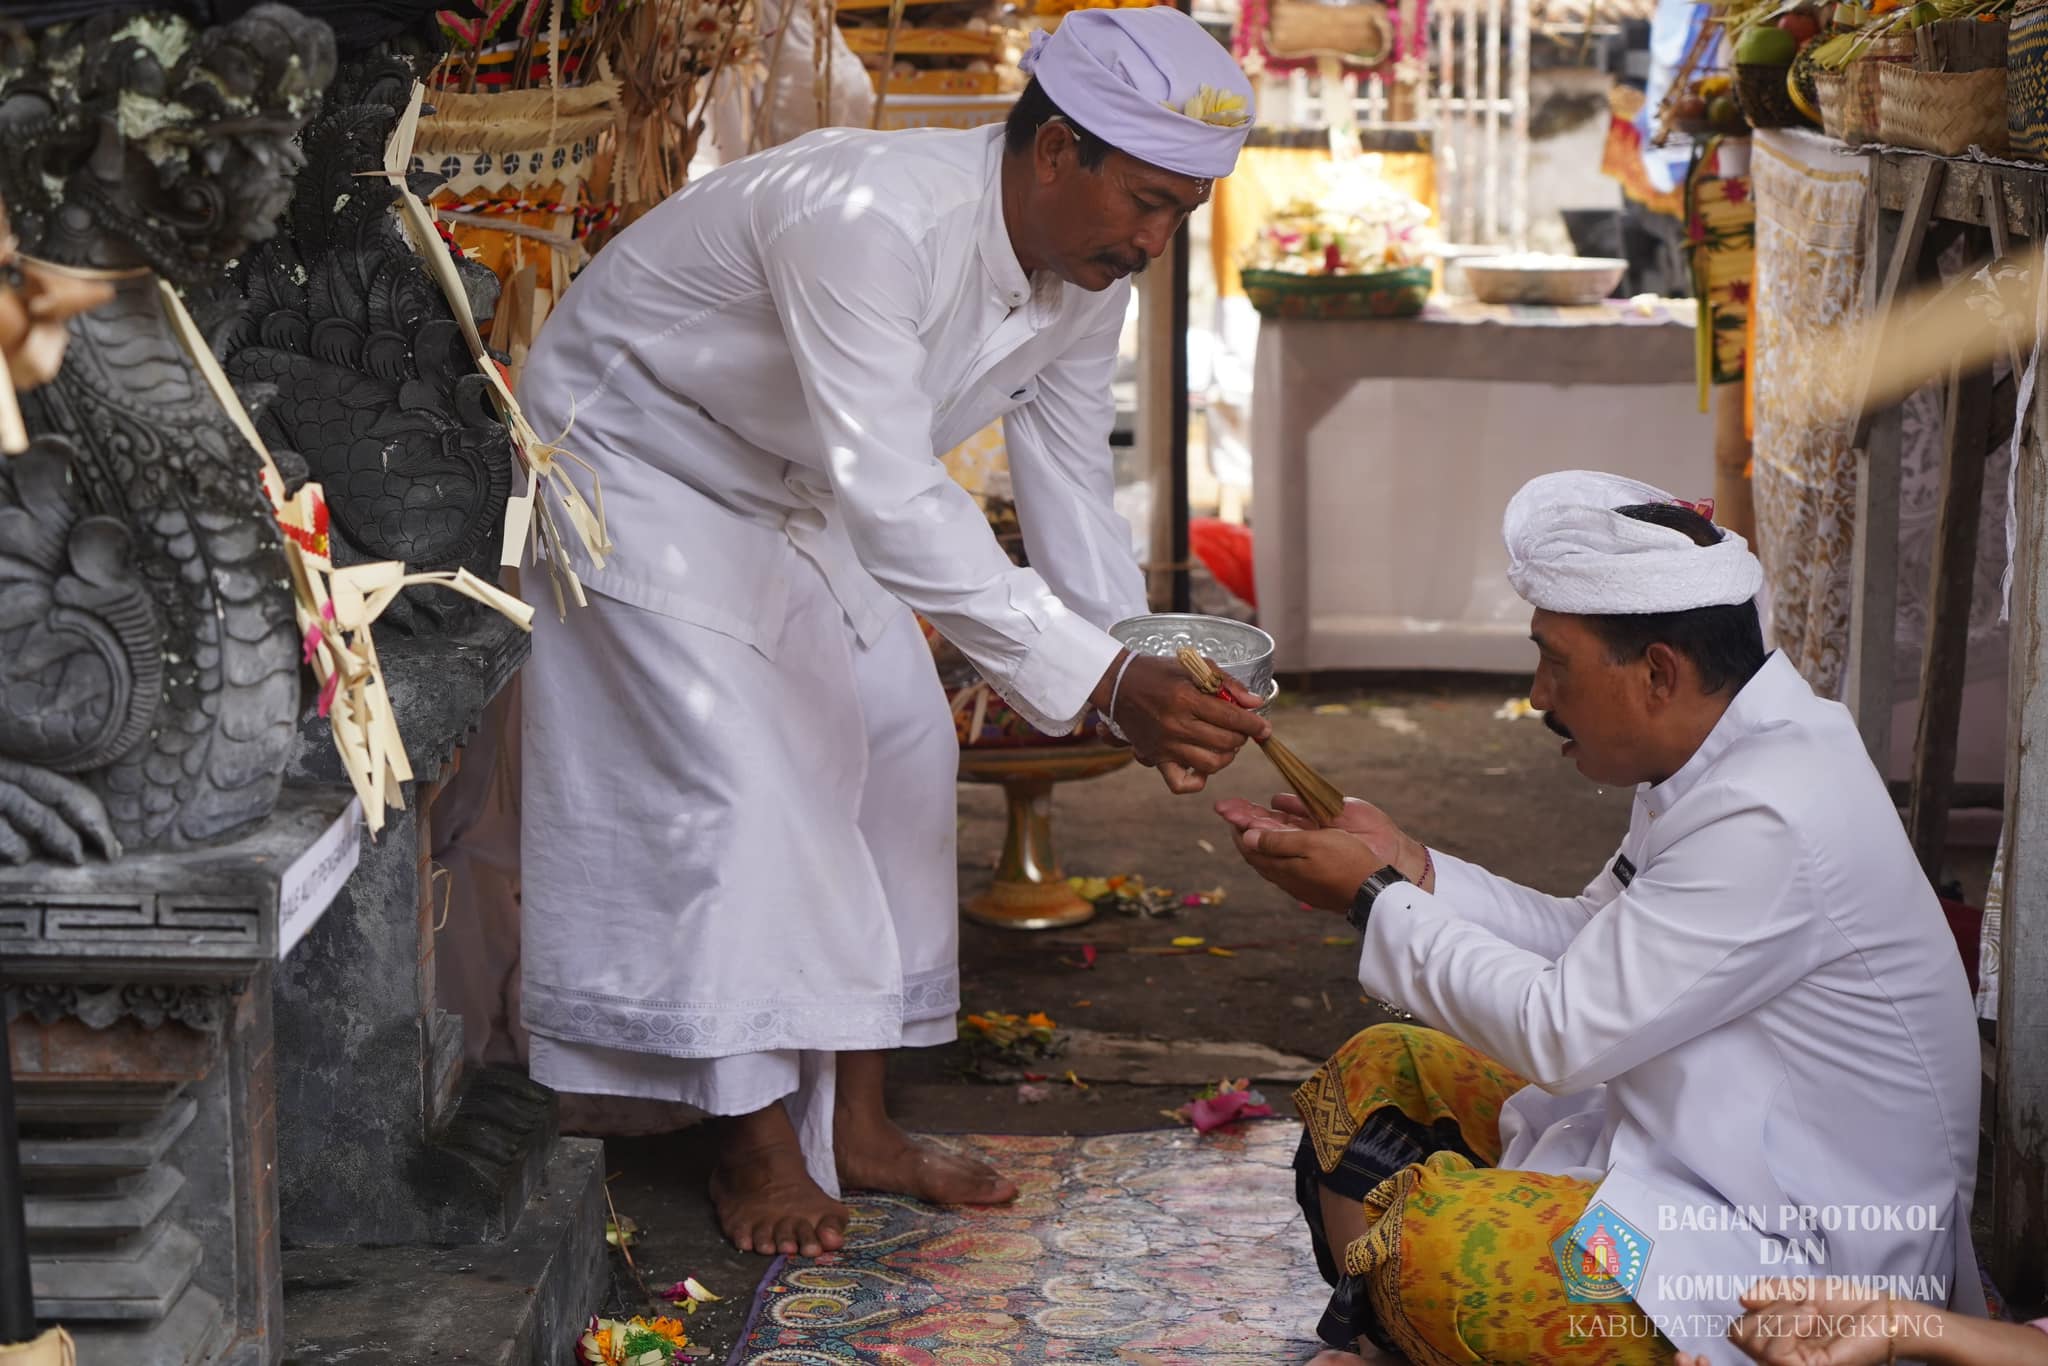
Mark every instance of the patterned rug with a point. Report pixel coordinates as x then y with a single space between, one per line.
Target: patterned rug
1159 1247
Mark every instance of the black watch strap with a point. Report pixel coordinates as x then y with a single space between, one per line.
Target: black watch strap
1369 892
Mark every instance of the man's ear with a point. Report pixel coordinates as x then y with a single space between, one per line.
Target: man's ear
1668 669
1052 149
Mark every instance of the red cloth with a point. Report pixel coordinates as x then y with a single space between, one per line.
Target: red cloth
1225 549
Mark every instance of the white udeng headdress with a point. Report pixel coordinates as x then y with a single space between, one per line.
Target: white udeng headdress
1150 82
1570 551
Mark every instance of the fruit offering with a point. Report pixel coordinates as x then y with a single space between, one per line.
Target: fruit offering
1768 45
1776 34
1708 106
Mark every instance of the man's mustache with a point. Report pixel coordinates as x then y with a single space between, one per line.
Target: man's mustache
1558 727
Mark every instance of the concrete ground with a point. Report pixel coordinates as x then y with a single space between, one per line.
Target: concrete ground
1432 752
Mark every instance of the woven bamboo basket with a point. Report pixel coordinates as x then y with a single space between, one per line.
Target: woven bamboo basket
1833 90
1359 33
516 139
1942 111
1978 44
1849 97
1765 101
1384 294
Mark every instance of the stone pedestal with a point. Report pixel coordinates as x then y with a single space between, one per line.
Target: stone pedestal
385 1140
139 1001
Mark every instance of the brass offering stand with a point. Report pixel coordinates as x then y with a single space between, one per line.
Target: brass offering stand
1030 890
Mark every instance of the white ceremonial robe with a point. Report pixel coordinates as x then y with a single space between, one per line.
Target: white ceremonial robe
739 805
1765 1022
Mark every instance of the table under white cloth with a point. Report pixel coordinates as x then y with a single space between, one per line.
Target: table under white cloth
1384 452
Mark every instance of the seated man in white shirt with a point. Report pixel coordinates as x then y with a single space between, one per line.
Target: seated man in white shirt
1747 1046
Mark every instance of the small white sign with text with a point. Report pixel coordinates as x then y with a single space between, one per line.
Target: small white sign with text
317 876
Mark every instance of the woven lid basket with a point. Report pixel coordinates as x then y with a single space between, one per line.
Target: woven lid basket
1942 111
1848 98
1359 33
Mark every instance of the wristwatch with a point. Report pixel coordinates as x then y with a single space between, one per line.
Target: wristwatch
1369 892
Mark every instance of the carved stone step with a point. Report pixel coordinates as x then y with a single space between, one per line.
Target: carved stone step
520 1301
503 1130
191 1333
139 1280
43 1101
127 1208
98 1155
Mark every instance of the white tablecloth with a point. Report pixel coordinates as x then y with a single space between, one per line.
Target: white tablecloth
1384 453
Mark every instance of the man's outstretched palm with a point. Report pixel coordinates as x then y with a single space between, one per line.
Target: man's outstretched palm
1317 865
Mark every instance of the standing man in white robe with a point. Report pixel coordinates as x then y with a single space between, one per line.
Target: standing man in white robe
739 791
1748 1045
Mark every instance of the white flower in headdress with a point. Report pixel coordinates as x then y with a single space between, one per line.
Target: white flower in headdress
1219 107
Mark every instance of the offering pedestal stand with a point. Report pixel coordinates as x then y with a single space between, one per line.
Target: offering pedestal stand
1030 891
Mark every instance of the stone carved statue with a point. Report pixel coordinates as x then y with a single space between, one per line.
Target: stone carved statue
81 658
355 359
149 662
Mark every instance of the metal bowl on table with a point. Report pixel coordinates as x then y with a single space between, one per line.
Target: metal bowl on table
1537 279
1240 650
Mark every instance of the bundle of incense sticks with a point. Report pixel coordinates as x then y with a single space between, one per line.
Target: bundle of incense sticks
1317 793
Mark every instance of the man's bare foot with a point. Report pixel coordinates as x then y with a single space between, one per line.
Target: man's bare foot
875 1155
766 1200
878 1156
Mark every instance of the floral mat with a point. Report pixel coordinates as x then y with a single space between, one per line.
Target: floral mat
1159 1247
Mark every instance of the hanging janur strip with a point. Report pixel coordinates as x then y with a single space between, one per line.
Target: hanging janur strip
534 519
337 607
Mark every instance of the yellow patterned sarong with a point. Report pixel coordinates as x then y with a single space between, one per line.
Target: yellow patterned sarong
1456 1268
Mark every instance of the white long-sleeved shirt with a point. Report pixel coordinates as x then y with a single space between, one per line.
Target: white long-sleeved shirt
1756 1006
780 354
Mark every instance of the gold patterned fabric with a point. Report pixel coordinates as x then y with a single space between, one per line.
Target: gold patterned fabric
1809 285
1721 228
1429 1077
1457 1266
1460 1269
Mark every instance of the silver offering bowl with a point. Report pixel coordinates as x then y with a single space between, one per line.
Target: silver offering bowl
1244 652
